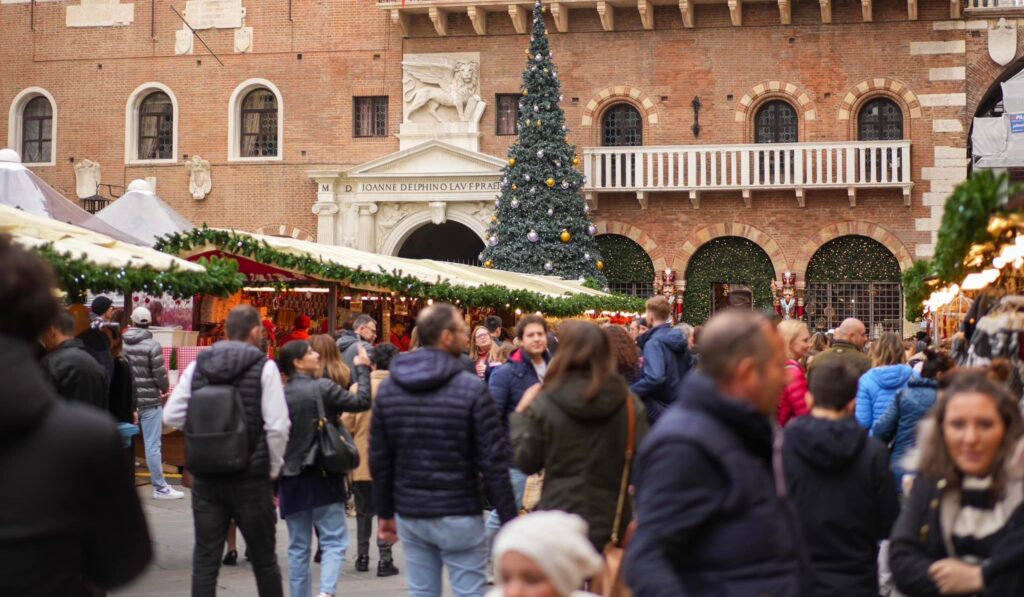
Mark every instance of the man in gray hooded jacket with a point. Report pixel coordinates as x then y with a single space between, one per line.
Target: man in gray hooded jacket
150 376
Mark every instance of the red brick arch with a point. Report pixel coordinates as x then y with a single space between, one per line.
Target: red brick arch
611 95
857 228
636 235
762 92
758 236
892 88
286 230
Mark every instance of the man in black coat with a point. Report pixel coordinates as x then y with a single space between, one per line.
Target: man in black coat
712 519
435 434
74 373
841 486
70 520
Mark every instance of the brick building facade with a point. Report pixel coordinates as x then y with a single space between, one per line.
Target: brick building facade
95 63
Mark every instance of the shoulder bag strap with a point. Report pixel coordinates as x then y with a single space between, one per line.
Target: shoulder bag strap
624 485
321 415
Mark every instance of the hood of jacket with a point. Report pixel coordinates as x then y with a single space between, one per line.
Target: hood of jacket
424 369
923 382
569 396
826 444
891 377
672 338
754 429
27 394
136 335
348 338
226 360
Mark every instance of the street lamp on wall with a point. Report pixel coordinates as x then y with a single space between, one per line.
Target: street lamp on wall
696 116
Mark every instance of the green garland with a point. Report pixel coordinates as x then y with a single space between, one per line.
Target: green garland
853 258
484 296
916 289
731 260
76 275
965 221
624 259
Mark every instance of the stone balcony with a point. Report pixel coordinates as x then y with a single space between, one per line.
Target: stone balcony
985 8
799 167
478 10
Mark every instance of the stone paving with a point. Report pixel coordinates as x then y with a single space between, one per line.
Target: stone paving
170 524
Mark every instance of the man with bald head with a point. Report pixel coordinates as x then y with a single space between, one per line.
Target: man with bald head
847 346
711 519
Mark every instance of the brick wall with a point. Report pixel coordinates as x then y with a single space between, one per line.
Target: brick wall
351 48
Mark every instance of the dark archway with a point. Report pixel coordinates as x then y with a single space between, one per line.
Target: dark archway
854 276
727 271
626 265
451 241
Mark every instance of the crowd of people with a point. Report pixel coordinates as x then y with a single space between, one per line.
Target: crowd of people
743 457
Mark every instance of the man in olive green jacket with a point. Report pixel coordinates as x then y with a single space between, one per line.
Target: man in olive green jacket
848 346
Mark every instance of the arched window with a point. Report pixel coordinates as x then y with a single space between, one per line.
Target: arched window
776 122
727 272
854 276
880 119
621 126
258 124
156 127
626 265
37 131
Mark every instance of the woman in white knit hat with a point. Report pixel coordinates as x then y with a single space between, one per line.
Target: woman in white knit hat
544 554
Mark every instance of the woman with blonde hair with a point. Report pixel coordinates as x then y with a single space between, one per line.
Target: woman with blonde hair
888 377
962 529
797 340
334 368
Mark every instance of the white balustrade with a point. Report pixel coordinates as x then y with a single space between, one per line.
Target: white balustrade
994 4
748 167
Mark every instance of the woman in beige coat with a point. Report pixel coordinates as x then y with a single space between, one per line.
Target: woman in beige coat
362 483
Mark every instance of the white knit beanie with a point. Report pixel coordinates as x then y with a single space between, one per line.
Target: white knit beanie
557 542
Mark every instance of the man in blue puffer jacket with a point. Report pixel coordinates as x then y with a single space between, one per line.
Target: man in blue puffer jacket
666 360
435 440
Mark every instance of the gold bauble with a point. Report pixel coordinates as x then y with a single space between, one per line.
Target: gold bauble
543 8
600 265
545 71
550 182
494 218
511 161
575 160
538 123
488 264
514 187
566 236
526 92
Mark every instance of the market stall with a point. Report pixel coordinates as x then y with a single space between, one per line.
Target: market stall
144 214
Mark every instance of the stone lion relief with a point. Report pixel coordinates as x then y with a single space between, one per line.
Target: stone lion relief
433 82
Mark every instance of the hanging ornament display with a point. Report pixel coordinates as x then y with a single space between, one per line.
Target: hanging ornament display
532 236
565 236
550 182
600 265
548 266
511 161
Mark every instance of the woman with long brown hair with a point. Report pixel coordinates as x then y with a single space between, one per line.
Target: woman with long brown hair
888 377
330 357
962 529
627 353
576 427
481 346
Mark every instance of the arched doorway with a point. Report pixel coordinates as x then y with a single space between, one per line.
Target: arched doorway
450 241
729 271
626 265
854 276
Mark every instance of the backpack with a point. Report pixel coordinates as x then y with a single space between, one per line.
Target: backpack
216 438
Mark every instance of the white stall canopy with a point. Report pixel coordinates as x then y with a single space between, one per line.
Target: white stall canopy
141 213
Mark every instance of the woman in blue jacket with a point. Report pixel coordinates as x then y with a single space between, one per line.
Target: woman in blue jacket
898 426
879 386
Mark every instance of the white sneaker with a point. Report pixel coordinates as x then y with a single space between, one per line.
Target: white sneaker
324 595
167 493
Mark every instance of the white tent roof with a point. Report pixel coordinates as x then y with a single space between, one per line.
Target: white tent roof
424 270
23 189
31 230
144 215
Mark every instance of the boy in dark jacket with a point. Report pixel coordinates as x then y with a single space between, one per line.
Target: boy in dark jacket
435 438
840 483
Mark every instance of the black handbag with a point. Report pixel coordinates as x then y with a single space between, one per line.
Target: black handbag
333 448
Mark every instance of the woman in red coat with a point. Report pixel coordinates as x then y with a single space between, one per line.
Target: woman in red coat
797 339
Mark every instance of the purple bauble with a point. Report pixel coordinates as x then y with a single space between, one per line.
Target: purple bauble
549 266
532 236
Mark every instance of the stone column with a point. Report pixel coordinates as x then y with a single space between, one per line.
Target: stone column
326 207
367 240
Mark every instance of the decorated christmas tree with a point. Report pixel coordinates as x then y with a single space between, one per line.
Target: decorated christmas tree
540 224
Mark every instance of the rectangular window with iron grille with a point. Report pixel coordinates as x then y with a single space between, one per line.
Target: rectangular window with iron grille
878 304
507 114
641 289
371 116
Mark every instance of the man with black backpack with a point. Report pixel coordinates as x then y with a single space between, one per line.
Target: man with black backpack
230 404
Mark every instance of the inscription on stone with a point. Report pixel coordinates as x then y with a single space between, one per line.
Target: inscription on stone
215 14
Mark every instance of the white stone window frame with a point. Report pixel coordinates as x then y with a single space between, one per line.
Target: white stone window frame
131 124
235 121
15 125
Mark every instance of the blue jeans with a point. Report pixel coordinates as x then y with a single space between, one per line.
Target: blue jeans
330 521
458 542
518 478
151 420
